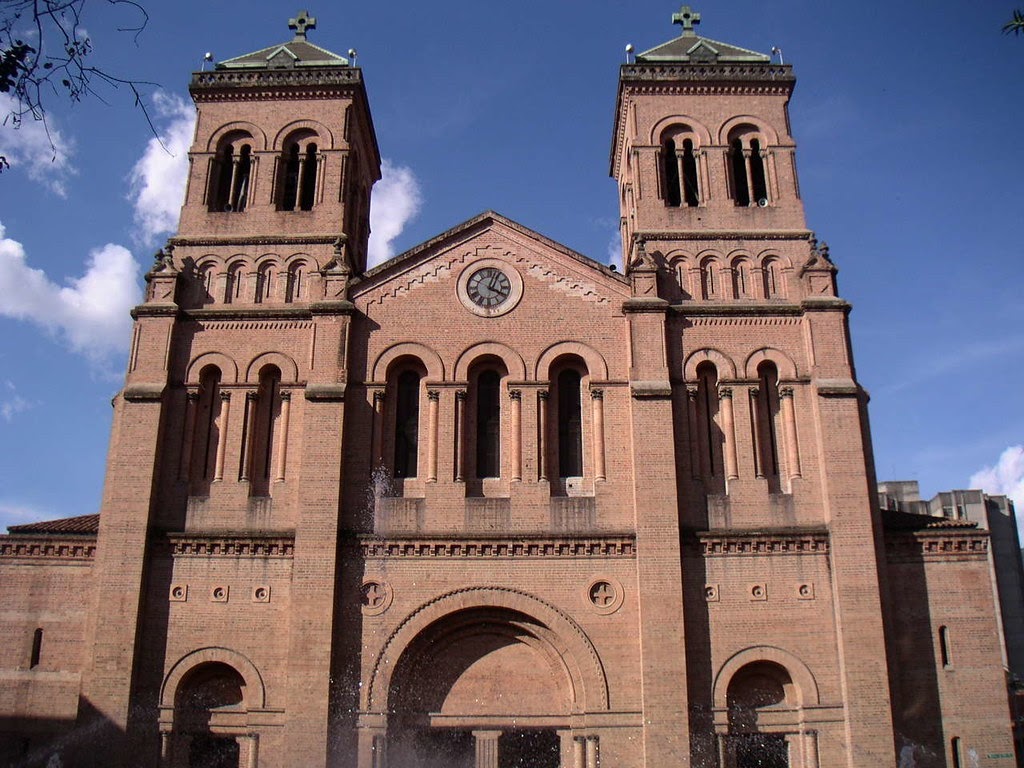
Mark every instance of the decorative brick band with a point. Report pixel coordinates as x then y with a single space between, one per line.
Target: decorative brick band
935 545
230 545
714 544
616 546
72 548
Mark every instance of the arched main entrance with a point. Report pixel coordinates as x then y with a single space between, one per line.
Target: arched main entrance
480 687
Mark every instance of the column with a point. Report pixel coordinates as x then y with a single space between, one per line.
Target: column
282 437
460 435
185 463
433 396
755 430
542 434
729 428
377 451
598 400
748 167
251 398
380 750
165 749
811 749
680 154
516 396
723 751
691 412
593 754
579 752
252 759
789 426
222 435
486 748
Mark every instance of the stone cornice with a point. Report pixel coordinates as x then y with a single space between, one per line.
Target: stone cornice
228 544
651 236
275 83
501 548
937 544
794 541
252 312
71 549
236 240
739 307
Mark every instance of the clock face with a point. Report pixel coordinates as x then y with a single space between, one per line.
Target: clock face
489 287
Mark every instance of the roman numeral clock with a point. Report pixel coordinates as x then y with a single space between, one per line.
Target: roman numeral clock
489 288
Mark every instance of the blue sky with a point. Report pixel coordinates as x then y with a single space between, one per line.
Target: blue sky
906 116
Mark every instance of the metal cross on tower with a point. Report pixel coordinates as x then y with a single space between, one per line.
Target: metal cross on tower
686 17
301 23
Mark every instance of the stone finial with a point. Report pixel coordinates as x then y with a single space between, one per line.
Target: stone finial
162 276
686 18
337 272
301 23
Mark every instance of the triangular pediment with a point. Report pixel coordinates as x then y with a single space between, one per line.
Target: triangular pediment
540 263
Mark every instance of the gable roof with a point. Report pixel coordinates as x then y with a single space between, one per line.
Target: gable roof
696 49
83 525
482 221
295 53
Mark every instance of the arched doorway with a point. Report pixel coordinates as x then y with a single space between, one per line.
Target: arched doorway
209 707
760 695
480 687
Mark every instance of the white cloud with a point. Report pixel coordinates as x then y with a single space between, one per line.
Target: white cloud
395 201
11 403
615 250
1005 478
89 313
39 148
158 177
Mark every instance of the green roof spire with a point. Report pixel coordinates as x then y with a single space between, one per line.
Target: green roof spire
687 18
301 23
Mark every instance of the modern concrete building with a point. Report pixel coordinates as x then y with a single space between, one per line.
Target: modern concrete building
493 503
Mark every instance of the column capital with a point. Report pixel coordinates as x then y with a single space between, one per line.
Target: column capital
286 395
433 395
692 392
515 394
597 394
725 392
225 396
192 396
785 391
542 394
252 396
755 392
378 396
460 394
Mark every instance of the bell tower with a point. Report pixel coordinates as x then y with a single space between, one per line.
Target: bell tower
284 142
736 324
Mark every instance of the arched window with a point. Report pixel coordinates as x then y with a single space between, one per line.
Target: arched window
748 174
295 288
208 689
708 287
230 170
206 431
741 279
679 168
233 285
771 279
298 170
266 412
488 424
570 424
266 283
766 418
205 276
755 691
407 424
708 435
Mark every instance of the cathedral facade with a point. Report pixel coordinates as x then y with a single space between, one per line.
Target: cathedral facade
493 503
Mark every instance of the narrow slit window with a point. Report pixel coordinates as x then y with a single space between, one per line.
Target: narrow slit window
290 181
708 434
570 425
740 188
707 279
947 661
308 192
671 163
268 408
220 179
240 185
758 179
768 409
37 648
407 422
955 752
488 425
207 431
691 194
